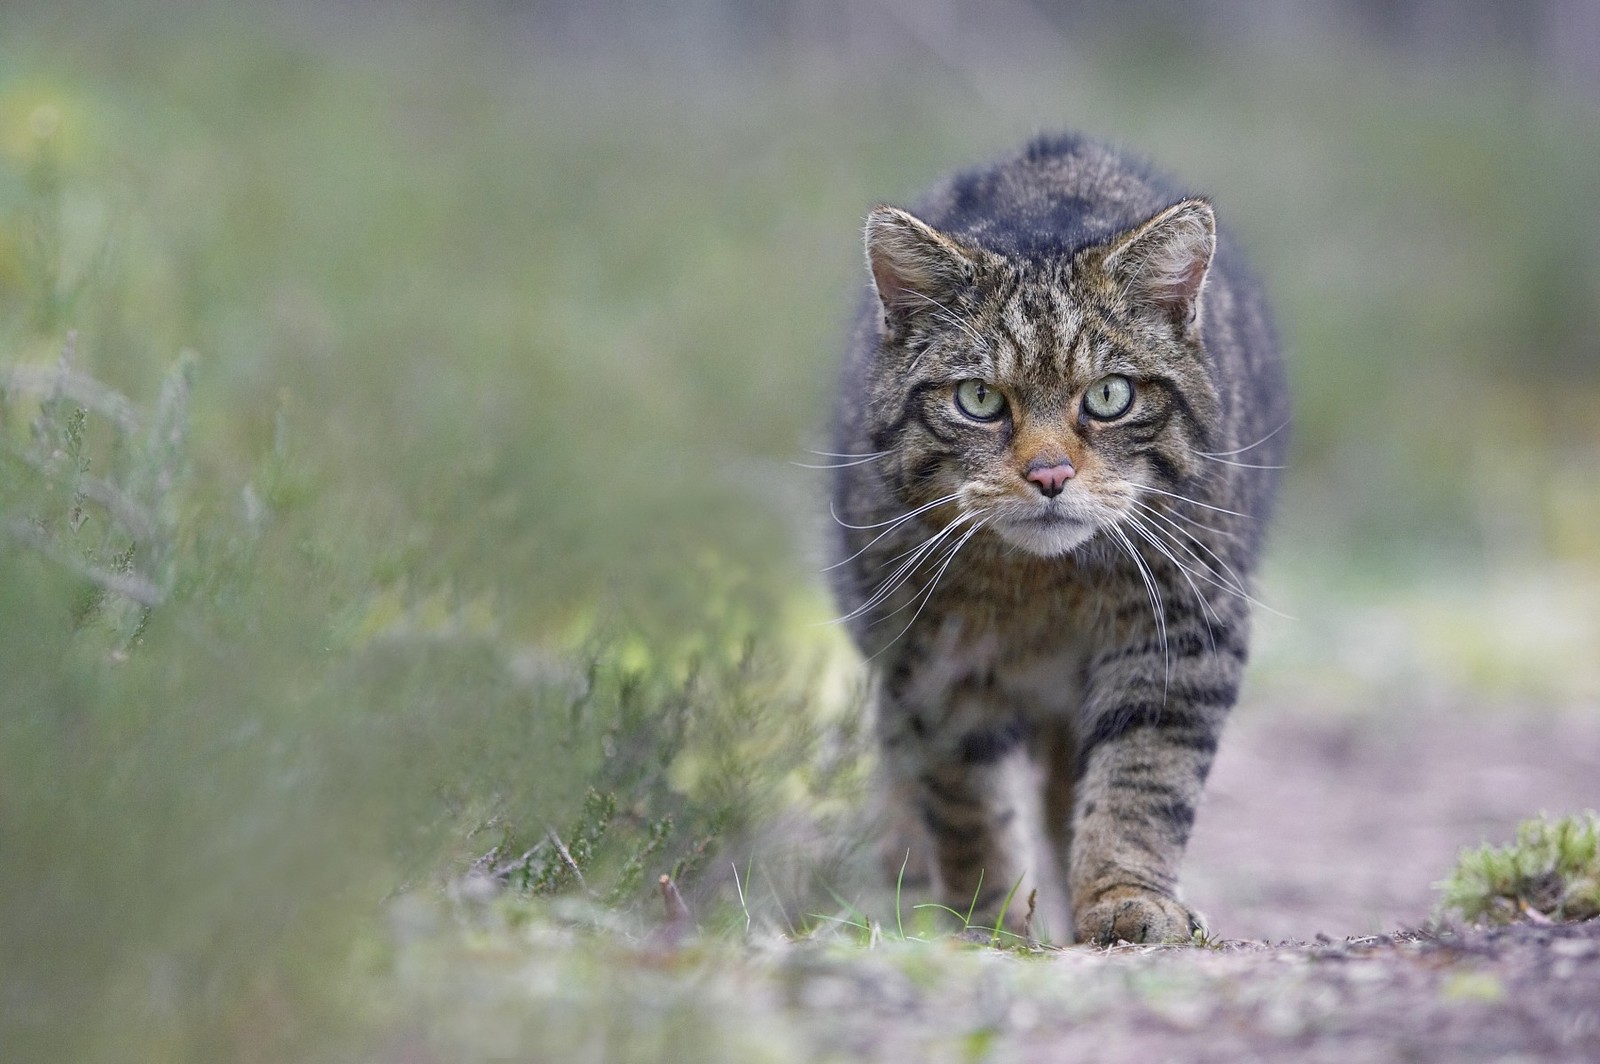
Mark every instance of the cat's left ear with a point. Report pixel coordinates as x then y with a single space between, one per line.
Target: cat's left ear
1164 261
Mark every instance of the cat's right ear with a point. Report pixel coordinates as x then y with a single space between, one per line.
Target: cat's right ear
914 266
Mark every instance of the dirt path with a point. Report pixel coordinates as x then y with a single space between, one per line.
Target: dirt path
1525 993
1327 822
1509 994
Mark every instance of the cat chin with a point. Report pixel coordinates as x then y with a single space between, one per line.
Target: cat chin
1047 539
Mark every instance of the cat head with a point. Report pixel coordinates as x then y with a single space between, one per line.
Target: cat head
1050 397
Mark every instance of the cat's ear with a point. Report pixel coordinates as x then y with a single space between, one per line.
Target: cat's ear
914 266
1163 262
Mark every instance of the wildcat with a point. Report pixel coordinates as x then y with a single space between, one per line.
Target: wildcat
1057 439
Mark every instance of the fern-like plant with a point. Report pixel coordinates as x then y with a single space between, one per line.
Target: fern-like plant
114 526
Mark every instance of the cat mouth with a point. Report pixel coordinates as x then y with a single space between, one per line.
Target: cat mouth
1050 517
1047 532
1050 523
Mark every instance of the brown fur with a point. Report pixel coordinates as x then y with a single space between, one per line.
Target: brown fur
1067 659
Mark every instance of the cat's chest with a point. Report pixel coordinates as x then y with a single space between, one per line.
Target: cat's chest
1050 681
1001 629
1031 661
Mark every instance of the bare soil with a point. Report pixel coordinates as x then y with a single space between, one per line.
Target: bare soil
1340 823
1334 828
1523 993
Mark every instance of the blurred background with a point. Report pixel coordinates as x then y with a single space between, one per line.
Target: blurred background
401 408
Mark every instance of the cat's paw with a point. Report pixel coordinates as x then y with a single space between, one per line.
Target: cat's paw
1128 914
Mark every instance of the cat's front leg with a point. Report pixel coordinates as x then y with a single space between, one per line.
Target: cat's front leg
1151 733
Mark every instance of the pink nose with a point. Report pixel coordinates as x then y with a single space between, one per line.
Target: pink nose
1051 478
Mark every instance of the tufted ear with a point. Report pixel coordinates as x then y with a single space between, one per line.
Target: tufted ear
914 266
1163 262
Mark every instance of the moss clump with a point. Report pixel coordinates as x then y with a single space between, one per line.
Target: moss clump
1552 872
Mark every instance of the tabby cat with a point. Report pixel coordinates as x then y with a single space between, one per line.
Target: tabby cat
1057 438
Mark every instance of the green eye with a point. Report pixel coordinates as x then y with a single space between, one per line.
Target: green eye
1108 397
979 400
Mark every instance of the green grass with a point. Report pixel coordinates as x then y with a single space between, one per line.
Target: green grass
1552 872
431 499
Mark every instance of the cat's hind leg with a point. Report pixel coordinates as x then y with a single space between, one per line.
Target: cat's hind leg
968 779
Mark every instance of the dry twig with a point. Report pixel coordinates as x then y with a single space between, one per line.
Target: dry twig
677 911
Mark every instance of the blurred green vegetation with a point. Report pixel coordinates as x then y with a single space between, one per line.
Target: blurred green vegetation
470 491
1551 873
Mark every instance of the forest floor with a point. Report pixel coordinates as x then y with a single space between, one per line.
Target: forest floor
1521 993
1315 861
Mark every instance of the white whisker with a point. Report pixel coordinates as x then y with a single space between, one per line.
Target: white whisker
1196 522
949 552
1233 584
839 454
1248 447
952 497
854 460
1238 584
893 525
1194 502
927 593
904 571
1239 465
1156 607
1207 611
913 549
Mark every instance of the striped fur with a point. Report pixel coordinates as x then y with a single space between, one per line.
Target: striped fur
1055 603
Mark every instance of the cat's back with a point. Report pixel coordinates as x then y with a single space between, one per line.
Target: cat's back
1054 196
